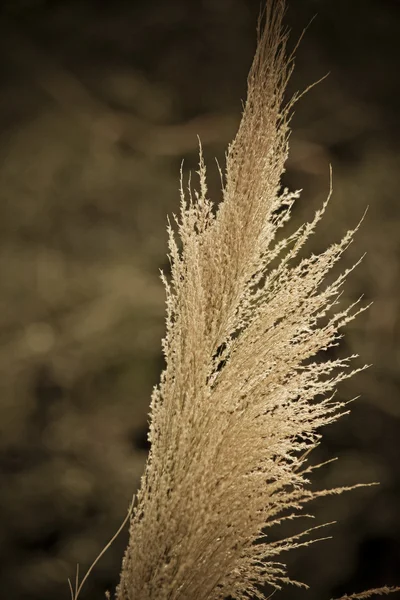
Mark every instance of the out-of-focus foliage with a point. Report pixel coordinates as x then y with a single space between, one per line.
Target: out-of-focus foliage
99 102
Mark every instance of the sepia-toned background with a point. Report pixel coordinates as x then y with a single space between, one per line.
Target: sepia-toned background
99 103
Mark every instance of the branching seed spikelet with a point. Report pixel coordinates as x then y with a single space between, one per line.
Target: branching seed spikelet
241 402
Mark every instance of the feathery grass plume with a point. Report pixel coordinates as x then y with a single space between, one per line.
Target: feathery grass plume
240 403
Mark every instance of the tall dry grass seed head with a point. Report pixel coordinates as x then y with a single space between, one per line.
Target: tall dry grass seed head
240 404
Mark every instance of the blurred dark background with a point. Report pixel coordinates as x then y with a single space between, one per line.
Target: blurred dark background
99 103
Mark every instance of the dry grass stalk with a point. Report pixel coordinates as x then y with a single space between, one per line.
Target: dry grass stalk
240 404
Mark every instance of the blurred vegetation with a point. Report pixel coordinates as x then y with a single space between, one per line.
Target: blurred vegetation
100 102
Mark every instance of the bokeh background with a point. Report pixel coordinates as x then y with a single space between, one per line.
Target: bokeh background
99 103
